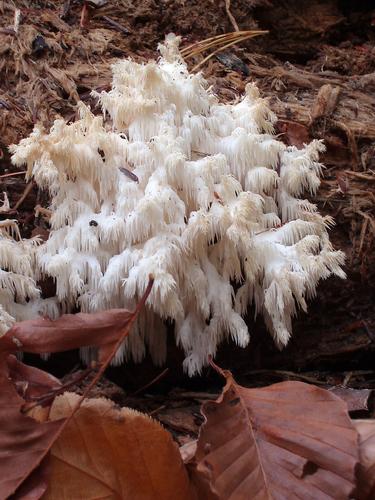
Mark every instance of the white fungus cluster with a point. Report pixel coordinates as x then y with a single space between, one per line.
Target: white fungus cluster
199 193
20 297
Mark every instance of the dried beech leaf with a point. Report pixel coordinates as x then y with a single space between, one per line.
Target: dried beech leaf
267 443
30 382
366 469
188 450
295 133
36 484
356 399
70 331
25 442
113 453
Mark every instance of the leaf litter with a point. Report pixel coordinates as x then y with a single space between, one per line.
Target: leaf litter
22 454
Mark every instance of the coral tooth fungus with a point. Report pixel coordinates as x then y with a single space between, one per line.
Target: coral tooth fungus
172 182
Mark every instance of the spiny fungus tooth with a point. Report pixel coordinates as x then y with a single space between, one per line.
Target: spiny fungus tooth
171 181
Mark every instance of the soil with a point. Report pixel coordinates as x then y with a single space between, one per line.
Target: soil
317 68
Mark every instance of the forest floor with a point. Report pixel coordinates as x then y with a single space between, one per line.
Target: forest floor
316 66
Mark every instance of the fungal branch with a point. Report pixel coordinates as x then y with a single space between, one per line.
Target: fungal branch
19 295
200 194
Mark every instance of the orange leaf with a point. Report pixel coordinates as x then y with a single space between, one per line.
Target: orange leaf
269 443
113 453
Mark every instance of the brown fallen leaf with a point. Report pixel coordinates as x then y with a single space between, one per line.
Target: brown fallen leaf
36 484
188 450
113 453
25 442
366 470
295 134
269 443
356 399
70 331
30 382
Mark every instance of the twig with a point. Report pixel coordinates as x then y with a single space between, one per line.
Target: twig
286 375
8 31
48 397
214 41
230 15
218 50
65 9
116 25
362 235
17 19
368 217
207 41
220 42
363 176
12 174
26 192
153 412
85 16
153 381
